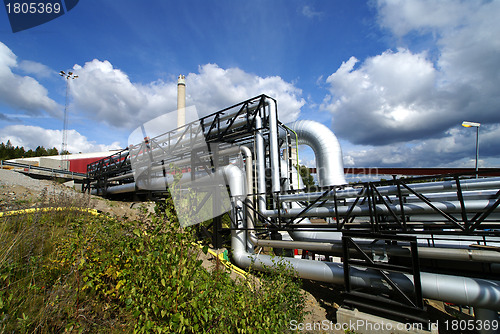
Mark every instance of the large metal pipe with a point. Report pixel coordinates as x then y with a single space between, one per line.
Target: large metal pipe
335 248
261 167
249 202
327 151
363 210
273 146
428 187
331 241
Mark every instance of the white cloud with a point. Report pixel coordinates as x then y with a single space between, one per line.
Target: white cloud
390 96
30 137
37 69
403 16
107 94
22 92
456 148
410 104
310 13
214 88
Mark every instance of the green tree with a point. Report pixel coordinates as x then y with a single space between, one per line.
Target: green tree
52 151
3 151
8 151
307 178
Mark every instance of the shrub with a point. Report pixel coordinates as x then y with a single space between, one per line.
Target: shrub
70 271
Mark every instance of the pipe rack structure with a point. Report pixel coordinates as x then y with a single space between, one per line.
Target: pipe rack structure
400 240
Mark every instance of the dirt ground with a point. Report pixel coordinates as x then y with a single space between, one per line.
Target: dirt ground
322 299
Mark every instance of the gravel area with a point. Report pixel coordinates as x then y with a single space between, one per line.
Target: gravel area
18 191
12 178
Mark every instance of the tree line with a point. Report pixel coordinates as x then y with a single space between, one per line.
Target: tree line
8 151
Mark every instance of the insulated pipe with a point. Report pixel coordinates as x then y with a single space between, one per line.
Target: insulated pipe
261 168
424 241
460 290
307 235
363 210
180 140
411 208
311 240
428 187
247 154
334 236
177 163
326 147
120 189
451 254
273 146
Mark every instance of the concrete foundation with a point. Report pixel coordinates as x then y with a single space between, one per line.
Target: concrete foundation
364 323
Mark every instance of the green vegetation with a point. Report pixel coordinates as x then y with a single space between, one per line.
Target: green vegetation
7 151
307 178
69 271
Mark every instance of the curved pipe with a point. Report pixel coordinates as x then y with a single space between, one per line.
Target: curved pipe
326 147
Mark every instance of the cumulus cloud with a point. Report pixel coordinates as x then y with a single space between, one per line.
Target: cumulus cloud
402 16
389 97
214 88
30 137
107 94
455 148
36 69
22 93
410 103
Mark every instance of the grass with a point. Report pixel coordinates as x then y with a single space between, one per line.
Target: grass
69 271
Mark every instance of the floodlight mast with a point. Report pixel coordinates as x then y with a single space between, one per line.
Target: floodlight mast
64 145
476 125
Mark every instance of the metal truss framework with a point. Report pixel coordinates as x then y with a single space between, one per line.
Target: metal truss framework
383 218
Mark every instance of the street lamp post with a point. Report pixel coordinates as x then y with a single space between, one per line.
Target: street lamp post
474 125
67 76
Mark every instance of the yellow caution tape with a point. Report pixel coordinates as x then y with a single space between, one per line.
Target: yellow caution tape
34 210
225 262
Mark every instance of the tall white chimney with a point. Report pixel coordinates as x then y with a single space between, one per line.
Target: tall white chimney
181 101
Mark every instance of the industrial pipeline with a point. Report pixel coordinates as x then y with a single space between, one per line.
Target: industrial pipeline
402 238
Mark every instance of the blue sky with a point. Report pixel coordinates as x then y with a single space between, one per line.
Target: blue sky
392 79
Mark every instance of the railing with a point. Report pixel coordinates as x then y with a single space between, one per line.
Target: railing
45 169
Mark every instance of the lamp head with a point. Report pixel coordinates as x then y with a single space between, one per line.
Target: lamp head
467 124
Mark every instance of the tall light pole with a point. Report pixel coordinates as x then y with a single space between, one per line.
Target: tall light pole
474 125
64 144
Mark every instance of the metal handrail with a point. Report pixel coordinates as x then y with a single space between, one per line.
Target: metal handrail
45 169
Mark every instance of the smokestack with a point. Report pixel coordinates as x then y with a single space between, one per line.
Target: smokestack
181 101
